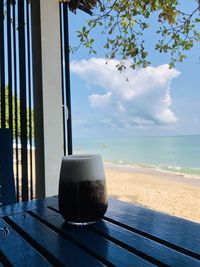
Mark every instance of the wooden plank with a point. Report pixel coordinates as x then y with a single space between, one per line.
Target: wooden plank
102 248
18 251
158 226
133 241
169 230
24 206
177 233
172 231
58 250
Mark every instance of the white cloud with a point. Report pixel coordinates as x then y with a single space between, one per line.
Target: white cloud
142 100
100 100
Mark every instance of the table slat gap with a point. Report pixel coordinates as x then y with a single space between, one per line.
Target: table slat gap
16 250
50 258
154 238
4 261
52 208
146 235
128 236
130 249
78 242
133 241
52 227
178 231
64 251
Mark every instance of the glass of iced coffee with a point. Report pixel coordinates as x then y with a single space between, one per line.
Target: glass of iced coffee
82 189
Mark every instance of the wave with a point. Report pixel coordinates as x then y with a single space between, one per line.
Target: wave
193 173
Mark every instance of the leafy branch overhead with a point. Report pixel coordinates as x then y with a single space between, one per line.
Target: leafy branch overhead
124 23
87 4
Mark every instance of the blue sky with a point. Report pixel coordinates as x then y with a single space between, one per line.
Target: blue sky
155 101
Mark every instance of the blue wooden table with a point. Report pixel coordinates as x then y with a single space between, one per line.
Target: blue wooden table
35 234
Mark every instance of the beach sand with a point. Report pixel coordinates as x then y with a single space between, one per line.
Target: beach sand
168 193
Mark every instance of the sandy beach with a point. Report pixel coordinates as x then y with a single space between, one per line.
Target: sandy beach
168 193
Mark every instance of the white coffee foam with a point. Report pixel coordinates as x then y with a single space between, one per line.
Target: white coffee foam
82 168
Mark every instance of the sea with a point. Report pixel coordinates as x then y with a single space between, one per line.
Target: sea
173 154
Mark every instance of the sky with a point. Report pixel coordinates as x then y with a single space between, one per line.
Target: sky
152 101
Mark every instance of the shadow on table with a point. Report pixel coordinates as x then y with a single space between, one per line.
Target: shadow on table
88 238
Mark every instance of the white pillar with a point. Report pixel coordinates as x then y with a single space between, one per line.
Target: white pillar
48 95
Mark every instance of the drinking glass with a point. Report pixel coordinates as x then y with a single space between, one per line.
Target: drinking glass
82 189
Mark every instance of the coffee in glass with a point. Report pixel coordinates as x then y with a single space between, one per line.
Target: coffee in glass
82 189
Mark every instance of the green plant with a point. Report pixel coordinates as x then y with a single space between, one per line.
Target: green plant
124 23
16 122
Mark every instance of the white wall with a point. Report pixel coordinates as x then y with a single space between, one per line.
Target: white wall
52 95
